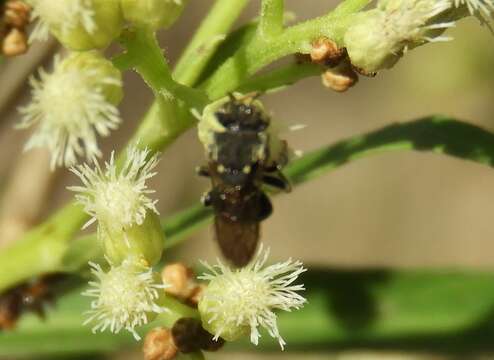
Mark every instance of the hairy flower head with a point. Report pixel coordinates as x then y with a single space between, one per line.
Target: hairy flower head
379 37
78 24
126 297
118 199
240 301
72 105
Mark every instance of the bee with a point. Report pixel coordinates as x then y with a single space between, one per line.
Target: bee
244 152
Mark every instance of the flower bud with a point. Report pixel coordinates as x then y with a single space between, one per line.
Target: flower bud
144 241
159 345
72 105
125 297
238 302
153 13
78 24
378 38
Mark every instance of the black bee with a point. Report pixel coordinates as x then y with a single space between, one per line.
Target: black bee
244 153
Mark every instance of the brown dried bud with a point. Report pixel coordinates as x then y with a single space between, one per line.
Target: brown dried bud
189 336
326 52
159 345
14 43
339 79
17 14
179 277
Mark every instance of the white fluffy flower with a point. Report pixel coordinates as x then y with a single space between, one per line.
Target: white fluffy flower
477 6
61 13
240 301
71 106
118 199
125 298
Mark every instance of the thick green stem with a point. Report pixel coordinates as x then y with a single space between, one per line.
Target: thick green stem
154 69
260 52
211 32
280 78
271 22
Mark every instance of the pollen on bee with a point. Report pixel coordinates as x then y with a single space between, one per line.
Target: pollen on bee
246 169
220 168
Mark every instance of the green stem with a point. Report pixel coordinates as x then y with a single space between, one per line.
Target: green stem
260 52
279 78
212 30
271 22
155 71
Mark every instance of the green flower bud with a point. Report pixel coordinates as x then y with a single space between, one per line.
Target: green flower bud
378 38
153 13
117 197
78 24
143 241
238 302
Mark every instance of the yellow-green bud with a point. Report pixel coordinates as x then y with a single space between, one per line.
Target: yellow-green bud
143 241
78 24
153 13
221 325
378 38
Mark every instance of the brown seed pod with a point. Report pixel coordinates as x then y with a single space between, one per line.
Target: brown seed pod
17 14
339 79
14 17
180 279
14 43
159 345
326 52
189 336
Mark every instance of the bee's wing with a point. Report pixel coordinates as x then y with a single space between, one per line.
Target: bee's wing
237 240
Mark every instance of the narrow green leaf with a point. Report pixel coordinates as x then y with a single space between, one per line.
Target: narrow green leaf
448 311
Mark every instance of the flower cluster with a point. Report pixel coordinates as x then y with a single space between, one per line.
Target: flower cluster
238 302
381 36
129 294
72 105
126 297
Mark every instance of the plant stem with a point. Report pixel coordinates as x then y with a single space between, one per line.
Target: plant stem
279 78
271 22
211 32
260 52
155 71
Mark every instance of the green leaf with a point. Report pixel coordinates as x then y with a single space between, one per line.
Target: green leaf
448 311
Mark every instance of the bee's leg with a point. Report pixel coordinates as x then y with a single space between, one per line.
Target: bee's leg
203 171
206 199
265 207
278 181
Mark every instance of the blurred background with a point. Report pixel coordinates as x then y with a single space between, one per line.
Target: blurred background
399 210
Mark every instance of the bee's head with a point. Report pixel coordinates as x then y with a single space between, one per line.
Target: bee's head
242 115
